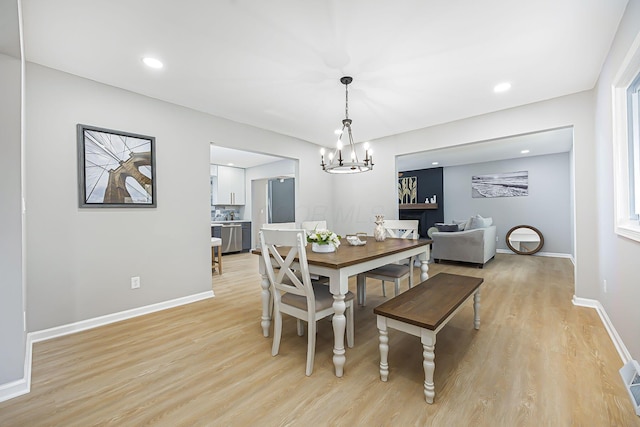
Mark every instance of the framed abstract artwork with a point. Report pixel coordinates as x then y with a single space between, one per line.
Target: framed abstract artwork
115 169
408 190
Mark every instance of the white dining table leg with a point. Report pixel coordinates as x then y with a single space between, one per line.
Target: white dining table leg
339 326
266 305
424 271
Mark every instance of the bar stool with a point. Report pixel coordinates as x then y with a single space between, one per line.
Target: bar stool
216 247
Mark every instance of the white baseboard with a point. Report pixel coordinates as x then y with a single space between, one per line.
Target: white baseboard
23 386
625 356
547 254
13 389
71 328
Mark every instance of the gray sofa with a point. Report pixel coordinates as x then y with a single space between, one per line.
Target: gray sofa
475 246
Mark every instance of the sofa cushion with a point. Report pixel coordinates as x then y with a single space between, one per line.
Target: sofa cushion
447 227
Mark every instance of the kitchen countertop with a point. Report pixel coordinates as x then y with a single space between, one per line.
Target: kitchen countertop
219 223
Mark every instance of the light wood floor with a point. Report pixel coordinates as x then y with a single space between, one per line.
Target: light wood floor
537 360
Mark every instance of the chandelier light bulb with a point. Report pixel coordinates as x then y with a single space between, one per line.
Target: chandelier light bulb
339 145
322 151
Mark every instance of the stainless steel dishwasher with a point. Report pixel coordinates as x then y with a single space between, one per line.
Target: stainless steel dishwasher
231 238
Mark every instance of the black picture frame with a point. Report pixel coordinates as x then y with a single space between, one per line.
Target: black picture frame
115 169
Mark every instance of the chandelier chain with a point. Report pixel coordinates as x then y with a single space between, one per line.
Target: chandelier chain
346 101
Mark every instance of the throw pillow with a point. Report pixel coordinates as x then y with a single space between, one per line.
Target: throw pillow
469 224
478 222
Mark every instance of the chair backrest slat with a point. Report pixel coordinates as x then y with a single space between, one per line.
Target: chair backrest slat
402 228
292 273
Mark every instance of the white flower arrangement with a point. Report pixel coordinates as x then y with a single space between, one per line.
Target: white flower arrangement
323 237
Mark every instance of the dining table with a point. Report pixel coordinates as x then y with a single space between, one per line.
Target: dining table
348 260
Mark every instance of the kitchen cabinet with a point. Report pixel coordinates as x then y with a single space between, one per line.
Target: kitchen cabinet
229 186
246 236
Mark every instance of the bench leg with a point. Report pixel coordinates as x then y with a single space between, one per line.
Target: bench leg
428 339
384 348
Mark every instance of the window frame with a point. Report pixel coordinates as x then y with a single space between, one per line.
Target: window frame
633 118
625 158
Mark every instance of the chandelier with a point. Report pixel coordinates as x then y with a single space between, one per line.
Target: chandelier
336 163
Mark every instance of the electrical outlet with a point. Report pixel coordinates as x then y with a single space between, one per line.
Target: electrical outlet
135 282
604 285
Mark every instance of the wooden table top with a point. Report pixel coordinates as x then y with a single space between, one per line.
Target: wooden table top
429 303
347 254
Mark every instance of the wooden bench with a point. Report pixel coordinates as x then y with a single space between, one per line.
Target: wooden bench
422 311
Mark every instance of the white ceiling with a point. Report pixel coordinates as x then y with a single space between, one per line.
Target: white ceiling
277 64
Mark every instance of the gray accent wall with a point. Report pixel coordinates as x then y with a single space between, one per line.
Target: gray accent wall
12 333
12 304
547 207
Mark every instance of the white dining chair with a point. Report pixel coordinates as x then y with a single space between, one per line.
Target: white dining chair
404 229
293 291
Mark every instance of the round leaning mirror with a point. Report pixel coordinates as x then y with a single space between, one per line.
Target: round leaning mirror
525 239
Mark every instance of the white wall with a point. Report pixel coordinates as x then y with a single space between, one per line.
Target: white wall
80 260
12 335
547 206
617 257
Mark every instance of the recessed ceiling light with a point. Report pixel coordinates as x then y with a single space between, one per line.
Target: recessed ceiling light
502 87
152 62
435 163
524 152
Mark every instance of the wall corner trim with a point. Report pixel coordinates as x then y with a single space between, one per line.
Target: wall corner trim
625 356
23 385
